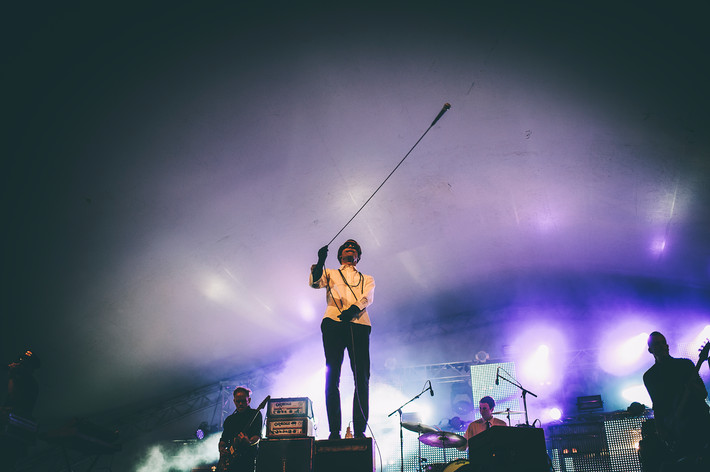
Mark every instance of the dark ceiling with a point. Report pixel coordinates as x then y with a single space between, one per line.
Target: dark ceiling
171 171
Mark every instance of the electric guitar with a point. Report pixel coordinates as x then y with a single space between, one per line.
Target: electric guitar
675 427
237 447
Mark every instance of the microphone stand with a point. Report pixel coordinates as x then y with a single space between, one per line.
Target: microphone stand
525 392
401 434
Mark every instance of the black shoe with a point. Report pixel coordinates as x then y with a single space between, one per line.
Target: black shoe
334 436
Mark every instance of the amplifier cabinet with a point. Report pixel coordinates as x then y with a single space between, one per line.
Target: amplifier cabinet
280 407
581 447
285 455
344 455
289 427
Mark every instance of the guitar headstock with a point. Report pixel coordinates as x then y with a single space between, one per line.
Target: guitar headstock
703 356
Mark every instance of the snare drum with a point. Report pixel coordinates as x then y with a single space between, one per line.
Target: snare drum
459 465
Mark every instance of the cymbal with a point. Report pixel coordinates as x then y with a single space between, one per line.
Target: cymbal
442 439
418 427
506 412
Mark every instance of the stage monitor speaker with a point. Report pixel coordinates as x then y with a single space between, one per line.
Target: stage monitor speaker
285 455
505 449
344 455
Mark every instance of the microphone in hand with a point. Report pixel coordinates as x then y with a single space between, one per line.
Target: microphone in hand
322 254
349 313
441 113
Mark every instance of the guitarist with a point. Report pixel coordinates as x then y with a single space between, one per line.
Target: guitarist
240 438
678 393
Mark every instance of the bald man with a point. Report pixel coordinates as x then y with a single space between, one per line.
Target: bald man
678 393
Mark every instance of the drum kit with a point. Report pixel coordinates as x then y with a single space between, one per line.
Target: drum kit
433 437
507 412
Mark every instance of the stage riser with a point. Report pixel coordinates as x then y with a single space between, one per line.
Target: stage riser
346 455
286 455
308 455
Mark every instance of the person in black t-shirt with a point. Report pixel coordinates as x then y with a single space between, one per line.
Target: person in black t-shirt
242 433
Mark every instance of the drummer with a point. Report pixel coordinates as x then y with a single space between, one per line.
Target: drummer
486 421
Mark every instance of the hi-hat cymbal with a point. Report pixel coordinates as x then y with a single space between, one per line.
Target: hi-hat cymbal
506 412
418 427
442 439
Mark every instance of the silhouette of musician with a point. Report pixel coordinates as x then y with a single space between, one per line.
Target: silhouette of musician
682 417
19 405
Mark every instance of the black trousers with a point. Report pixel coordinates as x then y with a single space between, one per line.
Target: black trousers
337 337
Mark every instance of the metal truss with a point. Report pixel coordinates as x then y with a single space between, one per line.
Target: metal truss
260 379
452 372
582 358
447 372
174 409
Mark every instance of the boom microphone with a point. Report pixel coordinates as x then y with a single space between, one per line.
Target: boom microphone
441 113
497 376
431 390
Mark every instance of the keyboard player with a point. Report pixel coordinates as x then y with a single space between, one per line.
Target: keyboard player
486 421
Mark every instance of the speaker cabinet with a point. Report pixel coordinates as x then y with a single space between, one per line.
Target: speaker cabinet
344 455
285 455
505 449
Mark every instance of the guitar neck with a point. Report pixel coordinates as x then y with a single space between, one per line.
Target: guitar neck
703 356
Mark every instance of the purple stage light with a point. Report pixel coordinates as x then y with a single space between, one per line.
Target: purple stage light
541 354
202 430
623 349
538 367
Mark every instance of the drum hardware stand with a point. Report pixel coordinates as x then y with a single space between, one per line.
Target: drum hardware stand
443 439
401 433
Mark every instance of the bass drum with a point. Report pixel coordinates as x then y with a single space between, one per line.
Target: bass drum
459 465
436 467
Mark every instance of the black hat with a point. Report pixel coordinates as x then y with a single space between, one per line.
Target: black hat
349 243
